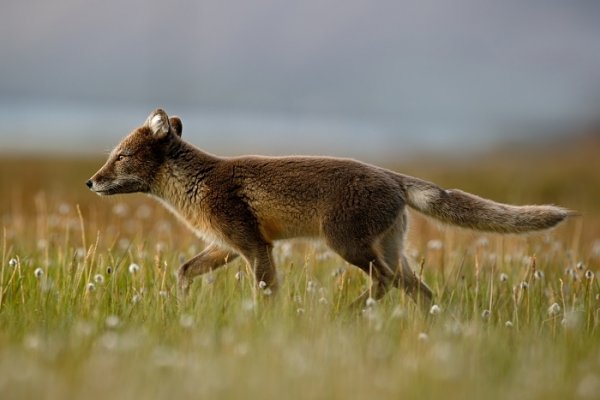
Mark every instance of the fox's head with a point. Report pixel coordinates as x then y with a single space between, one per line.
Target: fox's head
133 164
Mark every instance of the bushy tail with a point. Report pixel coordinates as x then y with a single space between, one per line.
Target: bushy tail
467 210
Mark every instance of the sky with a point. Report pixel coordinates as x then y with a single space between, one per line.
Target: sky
319 76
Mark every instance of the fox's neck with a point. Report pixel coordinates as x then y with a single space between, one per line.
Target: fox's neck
180 181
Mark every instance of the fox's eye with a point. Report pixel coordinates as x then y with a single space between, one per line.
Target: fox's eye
121 157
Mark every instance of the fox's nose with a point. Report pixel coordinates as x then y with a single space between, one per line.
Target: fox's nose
89 183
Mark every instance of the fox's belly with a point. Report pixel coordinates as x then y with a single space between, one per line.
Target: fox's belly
276 226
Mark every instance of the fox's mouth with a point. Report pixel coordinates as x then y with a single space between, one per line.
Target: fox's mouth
118 187
103 190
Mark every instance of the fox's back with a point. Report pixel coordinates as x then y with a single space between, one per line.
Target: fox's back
292 195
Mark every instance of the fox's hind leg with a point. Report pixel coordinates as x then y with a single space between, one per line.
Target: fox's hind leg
414 286
354 238
210 259
364 256
391 244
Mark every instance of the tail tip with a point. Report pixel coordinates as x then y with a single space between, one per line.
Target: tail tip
561 214
572 213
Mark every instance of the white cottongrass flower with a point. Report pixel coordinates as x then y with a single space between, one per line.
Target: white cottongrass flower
571 319
134 268
32 342
508 324
485 314
163 293
64 208
112 321
371 302
580 265
186 321
262 285
524 285
589 386
124 243
482 241
99 279
109 340
248 305
589 275
300 311
286 249
311 286
267 292
423 337
38 273
13 262
435 310
239 275
143 212
435 244
80 252
136 298
503 277
120 209
538 274
399 313
554 310
596 248
323 300
90 287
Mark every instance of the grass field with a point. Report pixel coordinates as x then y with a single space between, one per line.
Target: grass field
88 305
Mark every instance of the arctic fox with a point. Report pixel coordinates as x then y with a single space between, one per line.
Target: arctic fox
241 205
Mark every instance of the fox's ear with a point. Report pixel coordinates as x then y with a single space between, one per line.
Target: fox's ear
158 122
176 125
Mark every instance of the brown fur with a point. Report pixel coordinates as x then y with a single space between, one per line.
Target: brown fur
240 206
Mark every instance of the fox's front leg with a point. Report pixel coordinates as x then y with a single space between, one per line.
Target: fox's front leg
208 260
260 260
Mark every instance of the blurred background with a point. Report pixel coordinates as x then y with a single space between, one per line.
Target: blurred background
377 80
